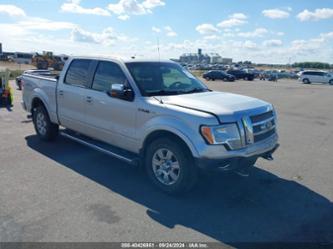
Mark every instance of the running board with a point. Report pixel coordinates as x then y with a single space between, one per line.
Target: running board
110 150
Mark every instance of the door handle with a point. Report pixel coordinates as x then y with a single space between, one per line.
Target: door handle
61 93
89 99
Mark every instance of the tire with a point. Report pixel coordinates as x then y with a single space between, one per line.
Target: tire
330 82
45 129
306 81
173 180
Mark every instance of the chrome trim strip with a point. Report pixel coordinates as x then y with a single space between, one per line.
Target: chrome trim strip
97 148
248 130
264 131
263 122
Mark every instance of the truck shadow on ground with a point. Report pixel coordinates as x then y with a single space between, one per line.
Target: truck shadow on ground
225 207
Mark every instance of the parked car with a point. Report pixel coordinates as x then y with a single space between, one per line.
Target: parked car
32 71
309 77
241 74
153 114
218 75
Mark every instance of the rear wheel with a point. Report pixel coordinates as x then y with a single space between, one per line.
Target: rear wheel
331 82
306 81
45 129
170 166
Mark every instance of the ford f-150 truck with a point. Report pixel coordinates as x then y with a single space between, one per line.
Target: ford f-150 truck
152 113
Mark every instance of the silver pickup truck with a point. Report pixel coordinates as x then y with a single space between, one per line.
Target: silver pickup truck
152 113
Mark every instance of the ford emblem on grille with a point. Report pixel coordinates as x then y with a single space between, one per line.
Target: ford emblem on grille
266 126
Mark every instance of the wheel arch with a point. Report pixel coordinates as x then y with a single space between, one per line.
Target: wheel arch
37 101
182 139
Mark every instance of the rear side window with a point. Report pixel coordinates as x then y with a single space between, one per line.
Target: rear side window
78 73
107 74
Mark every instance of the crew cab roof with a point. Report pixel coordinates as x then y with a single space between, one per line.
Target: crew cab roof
121 59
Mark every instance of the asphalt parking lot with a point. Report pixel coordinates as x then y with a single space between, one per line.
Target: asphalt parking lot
64 192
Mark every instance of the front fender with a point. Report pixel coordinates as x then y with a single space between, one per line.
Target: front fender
175 126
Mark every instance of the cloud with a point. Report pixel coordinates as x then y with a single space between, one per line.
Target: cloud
259 32
11 10
238 16
316 15
275 13
36 23
73 6
107 37
156 30
272 43
231 23
134 7
123 17
211 37
235 19
151 4
249 45
206 29
170 32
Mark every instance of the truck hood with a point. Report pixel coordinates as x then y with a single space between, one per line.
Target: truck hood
221 104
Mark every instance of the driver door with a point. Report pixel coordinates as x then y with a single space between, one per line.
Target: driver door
109 119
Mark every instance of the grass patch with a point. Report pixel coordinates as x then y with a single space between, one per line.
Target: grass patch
14 74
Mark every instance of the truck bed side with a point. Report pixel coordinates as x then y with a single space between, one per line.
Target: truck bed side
41 88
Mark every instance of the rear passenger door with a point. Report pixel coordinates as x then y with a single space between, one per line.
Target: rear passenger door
71 94
110 119
322 78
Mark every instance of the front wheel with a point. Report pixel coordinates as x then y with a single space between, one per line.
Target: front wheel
170 166
45 129
331 82
306 81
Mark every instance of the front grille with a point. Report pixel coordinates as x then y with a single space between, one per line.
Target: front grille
263 136
263 126
260 128
261 117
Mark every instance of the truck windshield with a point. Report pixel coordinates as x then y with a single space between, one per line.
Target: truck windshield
162 78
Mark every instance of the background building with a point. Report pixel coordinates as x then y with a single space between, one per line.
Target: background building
22 58
227 61
200 58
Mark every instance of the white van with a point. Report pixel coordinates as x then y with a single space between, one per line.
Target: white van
309 77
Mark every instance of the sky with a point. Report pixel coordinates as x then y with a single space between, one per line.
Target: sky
267 31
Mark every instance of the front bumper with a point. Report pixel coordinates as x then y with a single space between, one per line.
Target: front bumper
228 160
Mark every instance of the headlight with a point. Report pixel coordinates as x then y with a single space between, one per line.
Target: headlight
227 134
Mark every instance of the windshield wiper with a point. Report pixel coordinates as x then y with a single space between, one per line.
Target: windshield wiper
162 93
196 90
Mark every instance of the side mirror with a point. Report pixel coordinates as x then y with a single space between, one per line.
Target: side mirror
121 92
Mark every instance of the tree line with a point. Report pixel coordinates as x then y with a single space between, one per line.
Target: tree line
317 65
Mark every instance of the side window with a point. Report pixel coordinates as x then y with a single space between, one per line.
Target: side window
78 73
107 74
